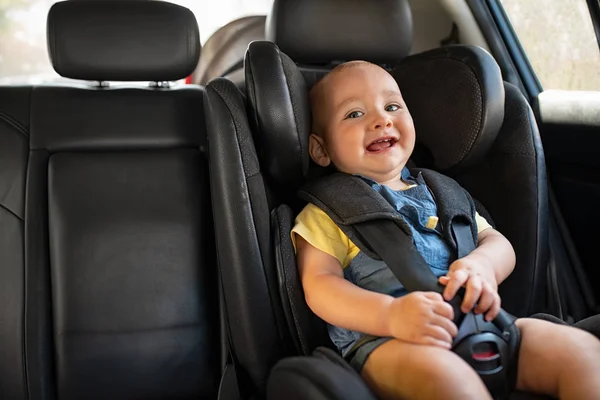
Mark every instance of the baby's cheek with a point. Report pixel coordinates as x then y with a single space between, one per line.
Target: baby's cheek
347 153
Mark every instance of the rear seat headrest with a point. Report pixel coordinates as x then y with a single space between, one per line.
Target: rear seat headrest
122 40
454 94
323 31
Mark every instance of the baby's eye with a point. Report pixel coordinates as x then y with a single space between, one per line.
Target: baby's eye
392 107
354 114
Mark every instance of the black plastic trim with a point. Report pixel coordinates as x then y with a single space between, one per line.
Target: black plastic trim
594 6
518 55
494 39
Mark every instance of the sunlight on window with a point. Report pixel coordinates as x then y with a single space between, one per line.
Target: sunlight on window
559 39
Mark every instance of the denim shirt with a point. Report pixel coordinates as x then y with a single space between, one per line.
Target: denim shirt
416 205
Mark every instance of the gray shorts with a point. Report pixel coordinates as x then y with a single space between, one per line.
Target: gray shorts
362 349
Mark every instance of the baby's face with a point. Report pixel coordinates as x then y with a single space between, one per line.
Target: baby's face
366 127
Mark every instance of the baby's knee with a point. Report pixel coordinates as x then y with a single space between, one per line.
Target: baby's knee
569 346
582 346
450 364
454 378
447 369
415 371
573 340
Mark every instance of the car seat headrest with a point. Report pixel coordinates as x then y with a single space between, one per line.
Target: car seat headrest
455 95
279 111
122 40
325 31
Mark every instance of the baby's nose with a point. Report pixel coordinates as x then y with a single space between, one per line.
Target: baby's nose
381 123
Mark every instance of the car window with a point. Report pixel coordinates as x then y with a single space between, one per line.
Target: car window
23 54
559 40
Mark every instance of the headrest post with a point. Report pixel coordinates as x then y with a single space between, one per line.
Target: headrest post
160 84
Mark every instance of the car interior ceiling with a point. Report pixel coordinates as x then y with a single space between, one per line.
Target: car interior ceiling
144 230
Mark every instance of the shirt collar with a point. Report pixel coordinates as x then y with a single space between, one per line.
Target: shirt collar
405 175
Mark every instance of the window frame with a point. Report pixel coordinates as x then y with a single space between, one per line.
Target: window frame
530 83
594 7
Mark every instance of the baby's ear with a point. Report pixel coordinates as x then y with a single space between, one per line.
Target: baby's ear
317 151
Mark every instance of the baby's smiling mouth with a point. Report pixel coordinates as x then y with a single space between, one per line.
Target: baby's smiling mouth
382 144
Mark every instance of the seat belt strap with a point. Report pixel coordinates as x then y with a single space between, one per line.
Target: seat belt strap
388 240
463 238
229 387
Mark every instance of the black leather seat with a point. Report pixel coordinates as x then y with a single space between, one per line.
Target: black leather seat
258 164
108 275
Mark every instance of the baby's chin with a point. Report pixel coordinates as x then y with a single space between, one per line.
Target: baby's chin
383 168
378 174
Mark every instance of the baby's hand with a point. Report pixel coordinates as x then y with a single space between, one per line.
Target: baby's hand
478 278
422 318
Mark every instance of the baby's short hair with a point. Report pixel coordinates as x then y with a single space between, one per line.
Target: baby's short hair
348 65
338 68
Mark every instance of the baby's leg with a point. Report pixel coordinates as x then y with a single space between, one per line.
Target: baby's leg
558 360
400 370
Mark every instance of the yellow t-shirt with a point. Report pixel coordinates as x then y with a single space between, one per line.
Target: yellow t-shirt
315 226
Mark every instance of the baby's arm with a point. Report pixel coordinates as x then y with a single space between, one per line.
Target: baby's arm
481 272
418 317
495 251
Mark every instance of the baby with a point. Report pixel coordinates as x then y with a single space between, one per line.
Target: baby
400 341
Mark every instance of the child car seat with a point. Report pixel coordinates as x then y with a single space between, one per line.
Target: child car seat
484 125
